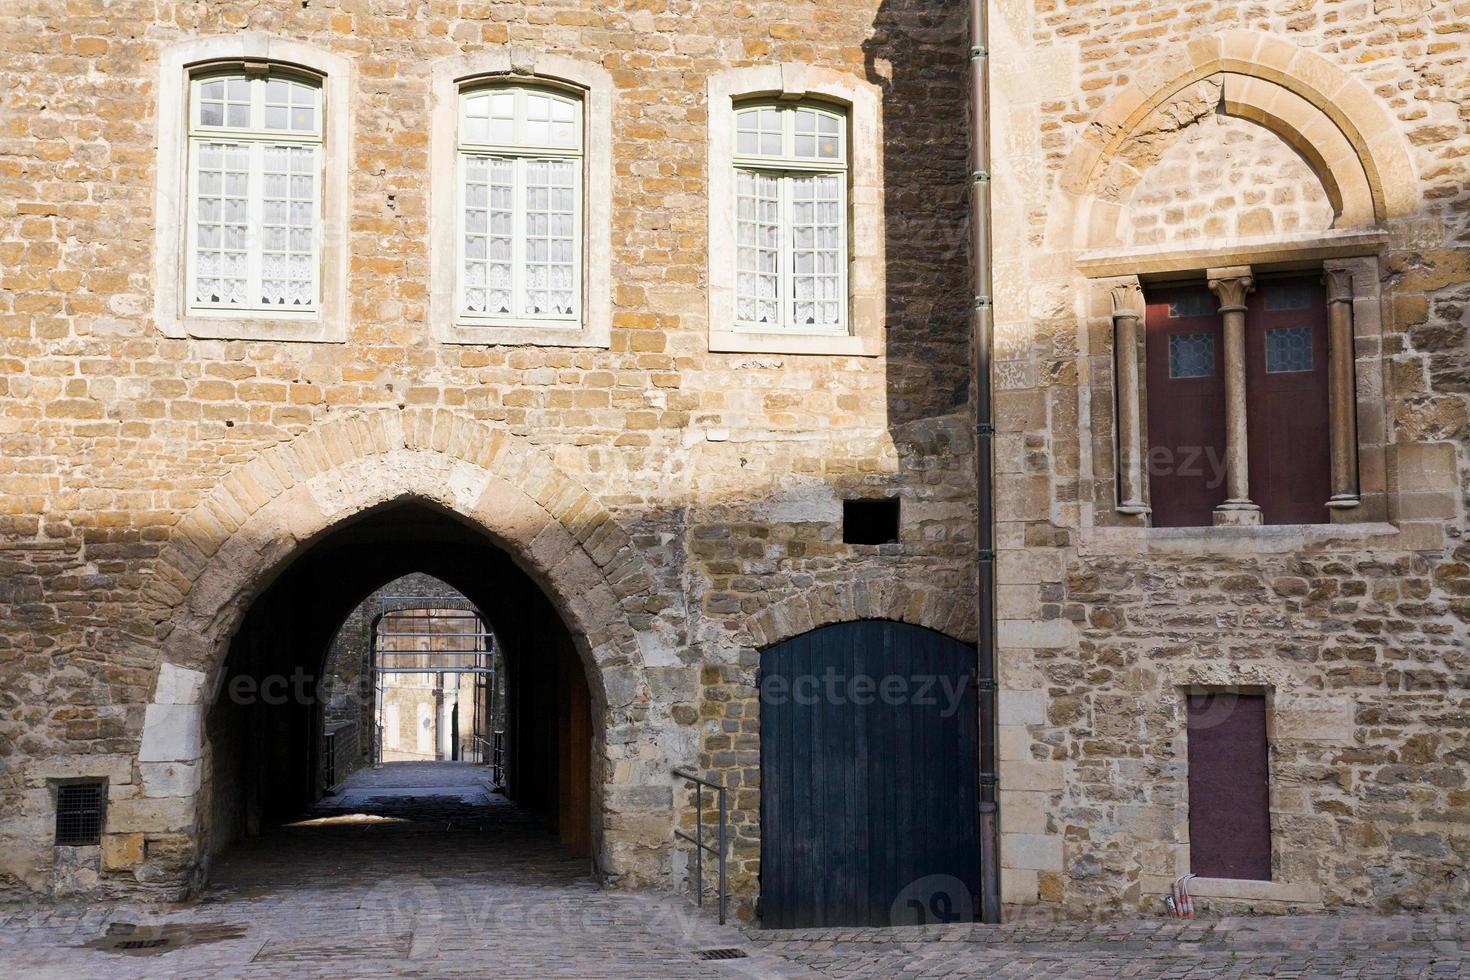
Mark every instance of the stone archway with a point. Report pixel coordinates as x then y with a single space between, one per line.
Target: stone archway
949 611
230 547
1345 134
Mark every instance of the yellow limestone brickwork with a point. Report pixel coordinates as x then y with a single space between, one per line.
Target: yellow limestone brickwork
704 487
713 480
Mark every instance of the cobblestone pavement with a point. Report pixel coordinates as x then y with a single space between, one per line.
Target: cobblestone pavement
1309 946
419 870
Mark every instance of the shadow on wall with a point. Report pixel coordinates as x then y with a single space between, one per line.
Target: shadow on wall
918 56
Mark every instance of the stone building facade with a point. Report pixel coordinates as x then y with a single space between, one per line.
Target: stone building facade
673 485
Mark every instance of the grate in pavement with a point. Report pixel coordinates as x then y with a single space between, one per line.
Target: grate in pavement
721 954
127 937
140 943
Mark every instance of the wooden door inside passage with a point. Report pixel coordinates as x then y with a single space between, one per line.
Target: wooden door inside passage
1185 349
1289 416
574 747
868 778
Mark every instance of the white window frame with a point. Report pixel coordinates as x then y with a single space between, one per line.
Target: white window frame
785 84
255 137
529 69
179 65
520 151
785 167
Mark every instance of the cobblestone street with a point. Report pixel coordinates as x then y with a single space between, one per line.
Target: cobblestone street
418 870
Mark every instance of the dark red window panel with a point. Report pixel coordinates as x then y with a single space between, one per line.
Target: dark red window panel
1286 381
1184 343
1229 802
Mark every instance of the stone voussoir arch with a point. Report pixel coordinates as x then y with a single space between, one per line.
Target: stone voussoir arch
1349 138
265 510
942 610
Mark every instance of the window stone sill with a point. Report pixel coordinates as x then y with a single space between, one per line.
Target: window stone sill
731 341
1261 539
523 334
311 330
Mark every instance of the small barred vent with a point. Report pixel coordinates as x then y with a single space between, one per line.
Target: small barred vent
79 814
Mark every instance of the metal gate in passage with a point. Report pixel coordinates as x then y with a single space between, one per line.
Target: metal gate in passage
868 778
444 639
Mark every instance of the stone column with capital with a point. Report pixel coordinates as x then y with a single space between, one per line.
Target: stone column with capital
1128 311
1341 397
1231 286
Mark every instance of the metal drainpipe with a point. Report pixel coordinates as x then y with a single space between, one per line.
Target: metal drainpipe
980 251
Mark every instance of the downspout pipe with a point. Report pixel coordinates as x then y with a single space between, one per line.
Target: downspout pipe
983 345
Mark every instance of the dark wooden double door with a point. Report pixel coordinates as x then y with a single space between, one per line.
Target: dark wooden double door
868 778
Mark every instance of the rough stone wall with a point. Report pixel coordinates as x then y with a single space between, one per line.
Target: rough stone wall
726 471
1223 177
1359 632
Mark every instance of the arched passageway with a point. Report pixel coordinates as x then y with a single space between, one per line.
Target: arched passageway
264 732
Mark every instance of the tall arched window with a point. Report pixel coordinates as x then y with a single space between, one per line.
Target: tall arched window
791 218
520 200
251 198
520 214
796 240
254 214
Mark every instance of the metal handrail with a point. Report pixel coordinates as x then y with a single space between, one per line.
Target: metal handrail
329 750
494 755
698 839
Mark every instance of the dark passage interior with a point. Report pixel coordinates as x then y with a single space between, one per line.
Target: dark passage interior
265 730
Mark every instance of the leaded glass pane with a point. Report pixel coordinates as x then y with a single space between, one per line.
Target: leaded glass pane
1191 355
1288 349
1289 296
758 132
489 221
290 105
817 234
817 135
757 248
222 229
550 224
288 256
1193 304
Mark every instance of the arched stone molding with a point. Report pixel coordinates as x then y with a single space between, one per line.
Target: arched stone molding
230 546
942 610
1348 137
